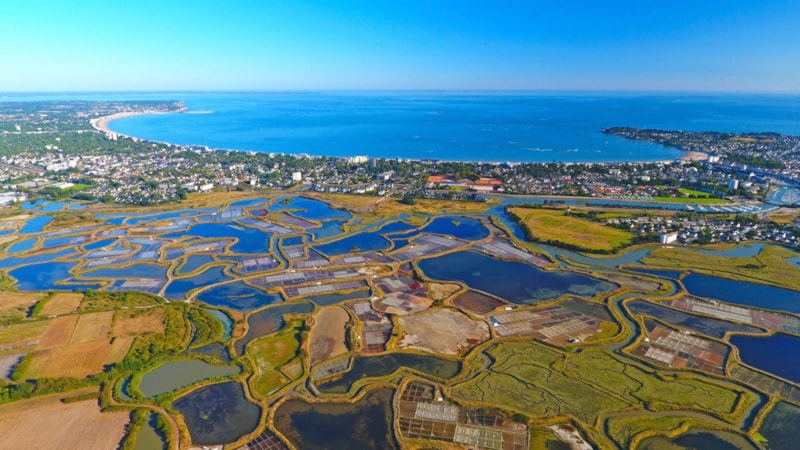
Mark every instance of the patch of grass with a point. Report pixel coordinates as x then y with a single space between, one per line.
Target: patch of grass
686 392
523 379
133 322
7 283
624 428
538 381
72 220
768 267
205 199
271 353
15 306
177 331
557 226
393 206
376 209
541 437
784 216
207 328
62 303
19 335
75 360
700 201
687 191
350 201
102 300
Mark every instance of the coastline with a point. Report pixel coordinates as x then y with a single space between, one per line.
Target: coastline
101 123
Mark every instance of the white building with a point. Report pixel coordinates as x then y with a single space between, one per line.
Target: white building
10 197
297 176
668 238
63 185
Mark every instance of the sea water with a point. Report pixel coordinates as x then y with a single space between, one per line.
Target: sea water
525 127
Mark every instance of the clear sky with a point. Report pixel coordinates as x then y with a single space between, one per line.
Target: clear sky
674 45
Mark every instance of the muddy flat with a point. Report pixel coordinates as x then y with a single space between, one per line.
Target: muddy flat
442 331
327 337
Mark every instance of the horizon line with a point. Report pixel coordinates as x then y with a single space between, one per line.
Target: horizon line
403 90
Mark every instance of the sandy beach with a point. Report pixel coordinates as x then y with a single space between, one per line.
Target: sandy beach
101 123
695 156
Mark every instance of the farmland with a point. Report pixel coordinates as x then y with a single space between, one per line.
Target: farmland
68 425
16 304
62 303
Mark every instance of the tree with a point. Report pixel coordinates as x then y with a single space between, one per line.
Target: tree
408 199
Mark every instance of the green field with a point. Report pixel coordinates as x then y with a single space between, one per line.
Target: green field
537 381
626 430
557 226
769 266
700 201
271 354
686 191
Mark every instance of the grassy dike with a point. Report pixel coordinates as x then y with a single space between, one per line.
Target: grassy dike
768 267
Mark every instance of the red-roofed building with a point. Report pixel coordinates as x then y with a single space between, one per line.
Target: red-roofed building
443 181
488 185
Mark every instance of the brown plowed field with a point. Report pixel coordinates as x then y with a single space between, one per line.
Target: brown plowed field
59 333
76 360
93 327
47 423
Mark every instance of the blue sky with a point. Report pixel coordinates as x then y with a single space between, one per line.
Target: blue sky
675 45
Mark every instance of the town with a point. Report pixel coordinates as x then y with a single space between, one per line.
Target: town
57 150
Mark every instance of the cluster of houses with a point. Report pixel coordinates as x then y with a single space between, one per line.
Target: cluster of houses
482 184
705 229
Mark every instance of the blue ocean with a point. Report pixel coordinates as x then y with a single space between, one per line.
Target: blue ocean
520 127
